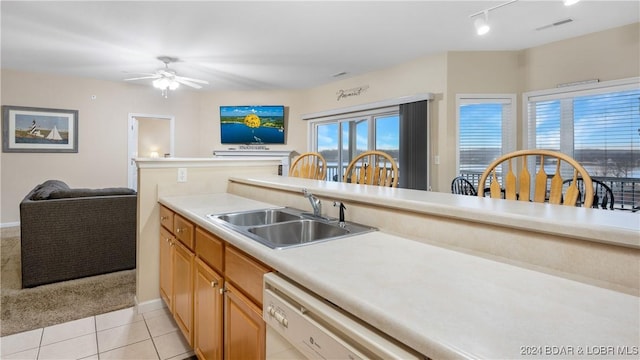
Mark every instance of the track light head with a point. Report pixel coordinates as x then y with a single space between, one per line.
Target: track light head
482 24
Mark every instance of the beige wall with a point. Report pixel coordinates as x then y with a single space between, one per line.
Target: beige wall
606 55
101 160
102 157
154 135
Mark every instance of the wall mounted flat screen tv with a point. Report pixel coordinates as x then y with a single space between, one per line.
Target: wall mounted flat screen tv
261 124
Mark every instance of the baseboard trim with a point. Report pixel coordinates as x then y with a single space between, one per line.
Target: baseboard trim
150 305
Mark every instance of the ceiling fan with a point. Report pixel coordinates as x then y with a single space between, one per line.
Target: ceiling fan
167 79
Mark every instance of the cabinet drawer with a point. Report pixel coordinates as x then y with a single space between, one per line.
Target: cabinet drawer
245 273
166 218
210 249
183 230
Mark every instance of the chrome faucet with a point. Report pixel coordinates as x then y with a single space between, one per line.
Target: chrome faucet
315 202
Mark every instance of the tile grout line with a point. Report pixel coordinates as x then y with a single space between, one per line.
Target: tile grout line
151 337
95 327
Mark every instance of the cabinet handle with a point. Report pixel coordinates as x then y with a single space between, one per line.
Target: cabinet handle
214 283
179 230
163 218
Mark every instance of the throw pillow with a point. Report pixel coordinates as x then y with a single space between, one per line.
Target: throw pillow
44 190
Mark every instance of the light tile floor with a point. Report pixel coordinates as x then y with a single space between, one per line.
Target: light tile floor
123 334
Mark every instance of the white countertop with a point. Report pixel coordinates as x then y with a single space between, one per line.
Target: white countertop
443 303
619 227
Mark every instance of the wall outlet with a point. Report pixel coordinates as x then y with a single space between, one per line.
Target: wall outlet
182 174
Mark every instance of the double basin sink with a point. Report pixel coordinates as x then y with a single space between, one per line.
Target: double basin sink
285 227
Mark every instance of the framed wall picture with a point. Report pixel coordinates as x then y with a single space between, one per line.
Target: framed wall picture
30 129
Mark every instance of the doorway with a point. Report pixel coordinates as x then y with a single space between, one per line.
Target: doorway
150 136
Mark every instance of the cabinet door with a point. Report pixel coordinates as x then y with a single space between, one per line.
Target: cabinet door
166 267
183 261
207 332
166 218
246 273
184 231
244 329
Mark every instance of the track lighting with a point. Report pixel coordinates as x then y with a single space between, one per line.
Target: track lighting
482 24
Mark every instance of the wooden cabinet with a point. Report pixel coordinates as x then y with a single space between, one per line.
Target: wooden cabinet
184 231
208 295
166 267
244 328
166 218
213 290
183 261
176 269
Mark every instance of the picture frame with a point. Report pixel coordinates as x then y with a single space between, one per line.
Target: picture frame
35 130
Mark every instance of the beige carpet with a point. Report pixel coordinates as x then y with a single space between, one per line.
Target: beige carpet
41 306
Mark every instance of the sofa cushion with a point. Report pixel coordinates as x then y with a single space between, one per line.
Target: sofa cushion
74 193
44 190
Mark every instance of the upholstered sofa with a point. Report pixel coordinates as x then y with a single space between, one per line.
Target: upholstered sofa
73 233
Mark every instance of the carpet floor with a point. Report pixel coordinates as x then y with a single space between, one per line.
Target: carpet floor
51 304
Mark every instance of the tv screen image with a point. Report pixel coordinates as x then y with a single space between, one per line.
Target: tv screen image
261 124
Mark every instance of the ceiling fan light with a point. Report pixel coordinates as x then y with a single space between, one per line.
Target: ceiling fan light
174 85
162 83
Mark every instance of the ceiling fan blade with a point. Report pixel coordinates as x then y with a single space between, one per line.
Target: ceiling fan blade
143 77
188 83
192 80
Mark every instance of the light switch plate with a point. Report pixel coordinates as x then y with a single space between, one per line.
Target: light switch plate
182 174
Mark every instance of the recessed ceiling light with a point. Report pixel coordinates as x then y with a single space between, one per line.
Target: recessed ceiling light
570 2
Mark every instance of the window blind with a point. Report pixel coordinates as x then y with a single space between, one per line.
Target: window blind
599 127
486 130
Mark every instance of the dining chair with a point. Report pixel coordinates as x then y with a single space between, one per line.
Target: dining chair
602 193
519 188
461 186
372 168
309 165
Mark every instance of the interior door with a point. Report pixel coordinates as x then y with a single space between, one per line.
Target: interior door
149 136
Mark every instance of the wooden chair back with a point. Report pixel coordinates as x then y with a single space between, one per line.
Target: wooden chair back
520 187
372 168
309 165
602 194
461 186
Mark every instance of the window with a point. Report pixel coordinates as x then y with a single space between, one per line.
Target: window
358 132
486 130
598 125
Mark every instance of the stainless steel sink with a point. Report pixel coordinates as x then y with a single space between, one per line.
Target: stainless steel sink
286 227
260 217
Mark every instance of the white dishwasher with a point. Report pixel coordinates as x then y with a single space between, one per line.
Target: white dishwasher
301 325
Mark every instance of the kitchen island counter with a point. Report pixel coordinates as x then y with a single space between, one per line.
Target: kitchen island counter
440 302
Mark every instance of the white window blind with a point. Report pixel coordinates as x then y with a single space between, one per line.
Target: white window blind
599 126
486 130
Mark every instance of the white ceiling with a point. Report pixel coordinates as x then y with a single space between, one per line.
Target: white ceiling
242 45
